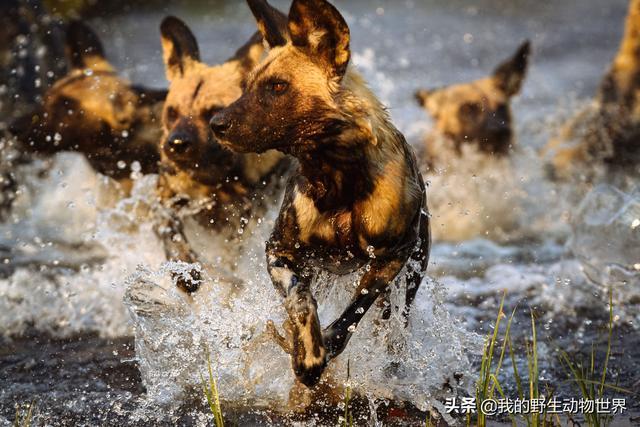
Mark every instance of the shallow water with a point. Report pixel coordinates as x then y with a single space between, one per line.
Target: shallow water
75 251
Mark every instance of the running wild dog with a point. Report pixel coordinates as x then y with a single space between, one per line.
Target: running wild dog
609 132
356 199
479 112
199 178
94 111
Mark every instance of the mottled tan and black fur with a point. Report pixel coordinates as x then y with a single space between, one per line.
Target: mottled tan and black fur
219 188
356 200
607 133
479 112
94 111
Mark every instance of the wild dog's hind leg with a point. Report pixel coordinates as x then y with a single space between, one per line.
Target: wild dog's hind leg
372 285
417 266
176 248
308 355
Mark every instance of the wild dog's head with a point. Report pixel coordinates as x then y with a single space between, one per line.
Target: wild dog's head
289 102
197 91
479 111
91 109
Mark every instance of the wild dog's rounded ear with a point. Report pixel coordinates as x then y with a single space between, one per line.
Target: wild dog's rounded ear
271 22
179 47
318 27
510 74
83 47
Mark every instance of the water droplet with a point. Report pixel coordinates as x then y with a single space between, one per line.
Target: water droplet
122 164
372 252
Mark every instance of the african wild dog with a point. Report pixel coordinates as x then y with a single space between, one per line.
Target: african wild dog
94 111
356 199
607 133
217 187
479 112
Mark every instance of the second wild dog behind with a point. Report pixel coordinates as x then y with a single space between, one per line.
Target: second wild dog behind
356 201
199 178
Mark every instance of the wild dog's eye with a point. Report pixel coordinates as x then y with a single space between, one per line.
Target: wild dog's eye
172 115
278 87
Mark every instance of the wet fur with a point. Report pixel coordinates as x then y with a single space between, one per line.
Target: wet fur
478 112
356 199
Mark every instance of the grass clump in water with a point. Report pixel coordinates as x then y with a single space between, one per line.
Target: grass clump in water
589 382
24 415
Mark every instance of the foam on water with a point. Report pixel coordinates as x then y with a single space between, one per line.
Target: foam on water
70 242
174 331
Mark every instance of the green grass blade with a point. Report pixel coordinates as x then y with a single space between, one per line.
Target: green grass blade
606 359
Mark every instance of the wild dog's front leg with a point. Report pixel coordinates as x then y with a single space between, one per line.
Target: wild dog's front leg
176 248
308 355
372 285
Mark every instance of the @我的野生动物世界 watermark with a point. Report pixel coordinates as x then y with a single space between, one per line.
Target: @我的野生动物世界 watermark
572 406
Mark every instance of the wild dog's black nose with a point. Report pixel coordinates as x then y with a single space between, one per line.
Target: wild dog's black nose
220 124
179 142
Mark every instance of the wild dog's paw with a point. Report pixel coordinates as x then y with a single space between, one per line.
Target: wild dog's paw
188 282
309 372
308 353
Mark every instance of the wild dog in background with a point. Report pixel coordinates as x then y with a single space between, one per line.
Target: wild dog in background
356 199
608 131
199 178
94 111
479 112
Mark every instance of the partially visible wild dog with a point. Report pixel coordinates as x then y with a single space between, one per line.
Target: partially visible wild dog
31 45
607 133
356 199
94 111
199 178
479 112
